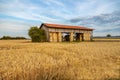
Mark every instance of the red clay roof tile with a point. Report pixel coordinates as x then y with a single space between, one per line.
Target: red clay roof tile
65 26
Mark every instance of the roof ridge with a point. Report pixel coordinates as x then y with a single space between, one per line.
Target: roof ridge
65 26
62 24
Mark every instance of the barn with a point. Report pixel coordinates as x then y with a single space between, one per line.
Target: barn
60 32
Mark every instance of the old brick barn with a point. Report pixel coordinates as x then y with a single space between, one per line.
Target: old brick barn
59 32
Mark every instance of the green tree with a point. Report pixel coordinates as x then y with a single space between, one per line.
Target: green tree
108 35
36 34
6 37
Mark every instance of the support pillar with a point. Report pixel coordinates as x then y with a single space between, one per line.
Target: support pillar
86 36
71 36
89 36
59 37
51 37
54 37
80 37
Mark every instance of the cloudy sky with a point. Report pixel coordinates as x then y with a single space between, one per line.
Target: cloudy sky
17 16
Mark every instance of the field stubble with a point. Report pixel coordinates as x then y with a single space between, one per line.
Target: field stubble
23 60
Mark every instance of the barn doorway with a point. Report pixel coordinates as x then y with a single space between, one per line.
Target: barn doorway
65 36
78 36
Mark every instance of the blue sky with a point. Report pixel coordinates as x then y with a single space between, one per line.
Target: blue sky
17 16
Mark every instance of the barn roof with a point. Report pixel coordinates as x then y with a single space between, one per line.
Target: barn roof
60 26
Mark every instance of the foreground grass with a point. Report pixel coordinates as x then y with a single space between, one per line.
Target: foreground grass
23 60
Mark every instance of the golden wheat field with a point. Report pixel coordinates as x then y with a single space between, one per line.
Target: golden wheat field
23 60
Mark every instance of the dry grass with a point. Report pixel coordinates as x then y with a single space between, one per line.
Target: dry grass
23 60
107 39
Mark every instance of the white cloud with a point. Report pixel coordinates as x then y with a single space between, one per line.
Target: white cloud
53 2
51 11
6 24
94 7
28 12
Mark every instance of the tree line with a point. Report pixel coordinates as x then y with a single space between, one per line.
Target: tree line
36 35
11 38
